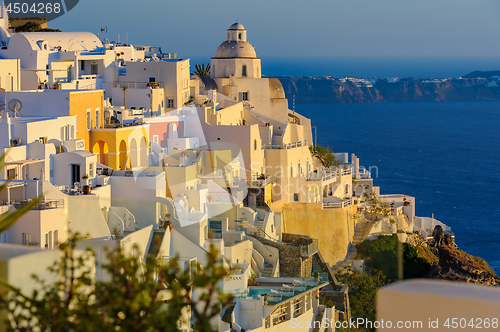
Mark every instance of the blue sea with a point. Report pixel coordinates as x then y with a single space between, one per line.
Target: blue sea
447 155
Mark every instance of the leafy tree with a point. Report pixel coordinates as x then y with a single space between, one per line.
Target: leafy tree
362 293
324 155
202 70
124 89
382 254
34 27
138 297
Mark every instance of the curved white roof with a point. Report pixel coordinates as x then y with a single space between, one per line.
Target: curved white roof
236 26
235 49
68 41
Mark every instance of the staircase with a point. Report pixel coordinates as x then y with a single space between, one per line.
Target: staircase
268 270
317 268
154 248
259 223
228 313
319 318
361 232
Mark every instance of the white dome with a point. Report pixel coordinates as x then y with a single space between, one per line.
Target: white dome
235 49
236 26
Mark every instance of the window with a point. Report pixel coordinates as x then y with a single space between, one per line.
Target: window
215 230
291 171
244 95
152 79
72 132
26 238
82 65
156 140
255 144
11 174
91 169
170 103
244 70
93 69
296 197
89 119
97 117
239 36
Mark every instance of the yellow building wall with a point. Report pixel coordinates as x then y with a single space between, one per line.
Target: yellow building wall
117 145
334 228
79 103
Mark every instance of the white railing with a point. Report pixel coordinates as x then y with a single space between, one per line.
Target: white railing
338 205
321 176
253 181
285 146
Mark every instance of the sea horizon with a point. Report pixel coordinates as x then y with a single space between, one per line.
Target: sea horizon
370 66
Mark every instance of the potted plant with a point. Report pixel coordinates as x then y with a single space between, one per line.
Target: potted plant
209 198
86 188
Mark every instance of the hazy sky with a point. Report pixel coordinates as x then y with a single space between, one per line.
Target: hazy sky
192 28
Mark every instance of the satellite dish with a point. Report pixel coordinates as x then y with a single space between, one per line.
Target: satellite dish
15 106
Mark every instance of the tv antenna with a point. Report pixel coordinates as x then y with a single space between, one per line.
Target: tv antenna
15 106
103 31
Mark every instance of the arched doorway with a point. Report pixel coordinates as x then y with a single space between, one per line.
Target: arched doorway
144 152
123 155
100 149
133 153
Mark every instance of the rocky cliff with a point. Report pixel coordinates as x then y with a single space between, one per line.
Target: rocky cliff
335 91
448 262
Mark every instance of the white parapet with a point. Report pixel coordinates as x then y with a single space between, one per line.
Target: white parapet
437 304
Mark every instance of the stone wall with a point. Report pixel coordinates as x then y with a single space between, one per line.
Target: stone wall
292 264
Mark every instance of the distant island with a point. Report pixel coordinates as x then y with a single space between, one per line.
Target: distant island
475 86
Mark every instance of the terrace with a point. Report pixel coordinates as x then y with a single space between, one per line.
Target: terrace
285 146
43 205
336 205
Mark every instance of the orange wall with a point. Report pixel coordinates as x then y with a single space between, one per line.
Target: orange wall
80 101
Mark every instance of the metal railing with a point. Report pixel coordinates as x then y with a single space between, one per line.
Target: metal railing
308 251
44 205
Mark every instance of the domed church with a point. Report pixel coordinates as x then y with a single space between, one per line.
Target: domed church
235 56
236 69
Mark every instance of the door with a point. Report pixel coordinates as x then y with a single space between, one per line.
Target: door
75 173
93 70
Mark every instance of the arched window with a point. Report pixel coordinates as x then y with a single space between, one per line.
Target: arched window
255 144
239 36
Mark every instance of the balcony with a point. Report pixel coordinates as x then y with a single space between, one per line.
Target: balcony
138 85
43 205
254 181
285 146
338 205
322 175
